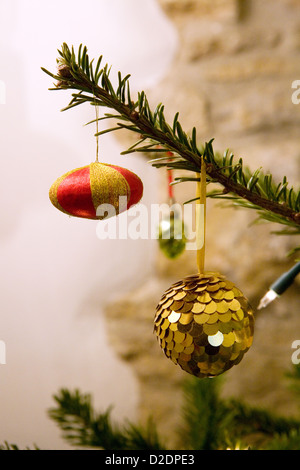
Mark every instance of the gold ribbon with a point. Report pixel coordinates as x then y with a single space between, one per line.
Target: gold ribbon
201 221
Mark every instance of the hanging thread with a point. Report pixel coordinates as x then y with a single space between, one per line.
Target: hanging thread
97 130
170 179
201 216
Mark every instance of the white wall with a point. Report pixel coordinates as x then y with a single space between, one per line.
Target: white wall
56 275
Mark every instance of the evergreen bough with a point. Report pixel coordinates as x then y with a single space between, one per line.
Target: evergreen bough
273 201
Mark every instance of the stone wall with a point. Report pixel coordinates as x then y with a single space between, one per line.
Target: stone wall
232 80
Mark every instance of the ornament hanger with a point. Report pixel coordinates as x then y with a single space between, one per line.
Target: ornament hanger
170 181
171 229
97 130
201 221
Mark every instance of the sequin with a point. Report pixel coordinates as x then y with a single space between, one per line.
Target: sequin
174 317
186 318
198 307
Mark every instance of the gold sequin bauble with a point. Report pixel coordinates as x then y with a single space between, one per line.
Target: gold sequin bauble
204 324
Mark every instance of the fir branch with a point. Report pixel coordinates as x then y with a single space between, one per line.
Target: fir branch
247 419
288 441
211 422
203 414
83 427
274 202
8 446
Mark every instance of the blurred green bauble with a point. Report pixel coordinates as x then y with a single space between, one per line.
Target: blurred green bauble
171 236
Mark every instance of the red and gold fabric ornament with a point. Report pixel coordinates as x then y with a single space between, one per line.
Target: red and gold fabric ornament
81 191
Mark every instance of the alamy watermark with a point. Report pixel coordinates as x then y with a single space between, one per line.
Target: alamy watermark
296 94
2 92
296 354
142 222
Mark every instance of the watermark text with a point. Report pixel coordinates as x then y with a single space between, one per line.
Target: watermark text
142 222
296 93
296 354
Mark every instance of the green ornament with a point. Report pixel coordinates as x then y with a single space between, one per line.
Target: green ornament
171 237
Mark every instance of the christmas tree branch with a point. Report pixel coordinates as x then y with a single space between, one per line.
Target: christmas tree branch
255 190
210 422
82 426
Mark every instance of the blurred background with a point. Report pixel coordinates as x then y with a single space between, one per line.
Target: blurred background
77 311
56 274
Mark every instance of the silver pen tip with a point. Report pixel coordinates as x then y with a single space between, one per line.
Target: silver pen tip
267 299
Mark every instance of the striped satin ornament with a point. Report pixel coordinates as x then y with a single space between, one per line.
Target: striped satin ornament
81 191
